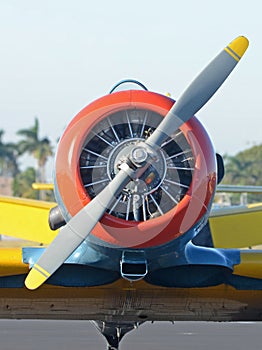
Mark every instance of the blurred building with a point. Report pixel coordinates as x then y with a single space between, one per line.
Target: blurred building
6 186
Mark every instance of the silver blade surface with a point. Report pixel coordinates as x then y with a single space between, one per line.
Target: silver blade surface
199 91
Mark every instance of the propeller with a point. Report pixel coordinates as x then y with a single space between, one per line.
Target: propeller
141 156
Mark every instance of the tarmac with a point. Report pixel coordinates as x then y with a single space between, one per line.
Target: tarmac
82 335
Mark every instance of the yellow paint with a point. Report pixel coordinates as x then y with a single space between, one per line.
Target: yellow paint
41 270
251 264
42 186
232 54
11 262
26 219
238 46
237 229
255 206
35 279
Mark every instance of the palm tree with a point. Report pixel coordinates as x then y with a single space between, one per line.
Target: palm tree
245 168
40 149
8 158
22 184
236 170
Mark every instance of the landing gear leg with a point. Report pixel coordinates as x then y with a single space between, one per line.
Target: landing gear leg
114 331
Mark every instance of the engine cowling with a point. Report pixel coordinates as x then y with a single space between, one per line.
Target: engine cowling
170 197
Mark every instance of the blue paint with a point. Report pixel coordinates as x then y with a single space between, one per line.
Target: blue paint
85 254
244 283
16 281
177 277
180 263
197 255
188 266
69 275
201 276
188 276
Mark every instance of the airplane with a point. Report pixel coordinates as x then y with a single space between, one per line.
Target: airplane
133 237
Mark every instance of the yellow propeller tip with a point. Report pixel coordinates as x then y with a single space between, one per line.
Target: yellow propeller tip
34 279
239 46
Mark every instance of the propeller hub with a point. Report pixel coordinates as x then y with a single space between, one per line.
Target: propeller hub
153 175
139 155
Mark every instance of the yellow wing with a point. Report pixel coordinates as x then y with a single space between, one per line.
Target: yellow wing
240 227
237 227
11 262
26 219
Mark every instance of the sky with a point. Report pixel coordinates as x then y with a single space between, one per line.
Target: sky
57 56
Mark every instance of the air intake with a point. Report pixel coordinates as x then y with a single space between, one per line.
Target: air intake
133 265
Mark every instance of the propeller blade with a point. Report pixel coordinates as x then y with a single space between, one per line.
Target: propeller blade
80 226
200 90
76 231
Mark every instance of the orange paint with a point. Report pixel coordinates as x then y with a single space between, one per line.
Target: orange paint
116 231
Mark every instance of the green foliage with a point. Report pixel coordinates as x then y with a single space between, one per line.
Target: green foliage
32 144
245 168
8 158
22 184
40 149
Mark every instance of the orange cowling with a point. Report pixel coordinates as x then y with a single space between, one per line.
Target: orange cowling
160 230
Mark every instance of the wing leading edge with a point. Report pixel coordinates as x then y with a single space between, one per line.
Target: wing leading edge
26 219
